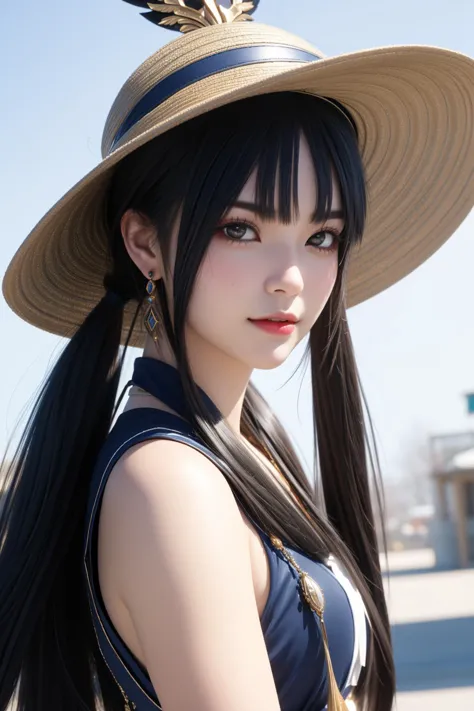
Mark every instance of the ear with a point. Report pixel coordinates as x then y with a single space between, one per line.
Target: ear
141 242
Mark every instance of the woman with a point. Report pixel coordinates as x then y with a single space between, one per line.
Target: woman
179 558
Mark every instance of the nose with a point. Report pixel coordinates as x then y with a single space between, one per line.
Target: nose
287 280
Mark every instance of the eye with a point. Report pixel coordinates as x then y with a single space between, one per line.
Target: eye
326 240
238 231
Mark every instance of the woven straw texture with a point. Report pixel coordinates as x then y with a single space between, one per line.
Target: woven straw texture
414 108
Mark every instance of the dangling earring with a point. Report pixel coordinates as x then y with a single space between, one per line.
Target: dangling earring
151 318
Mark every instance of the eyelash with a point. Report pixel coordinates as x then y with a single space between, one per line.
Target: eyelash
247 223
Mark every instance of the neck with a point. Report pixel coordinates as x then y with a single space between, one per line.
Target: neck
223 379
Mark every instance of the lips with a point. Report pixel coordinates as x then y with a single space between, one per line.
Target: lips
280 328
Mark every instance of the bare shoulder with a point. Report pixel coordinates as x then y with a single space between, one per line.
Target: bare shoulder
175 547
167 466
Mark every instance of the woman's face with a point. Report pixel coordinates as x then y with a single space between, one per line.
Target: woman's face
256 268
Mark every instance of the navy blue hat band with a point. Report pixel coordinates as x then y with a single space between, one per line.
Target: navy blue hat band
206 67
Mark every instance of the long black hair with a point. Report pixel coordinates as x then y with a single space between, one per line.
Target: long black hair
197 170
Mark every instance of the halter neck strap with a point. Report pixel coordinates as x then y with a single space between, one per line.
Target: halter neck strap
163 381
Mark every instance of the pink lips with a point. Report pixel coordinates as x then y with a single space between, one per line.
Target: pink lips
280 328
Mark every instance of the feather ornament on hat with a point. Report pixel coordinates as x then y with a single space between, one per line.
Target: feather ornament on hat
189 15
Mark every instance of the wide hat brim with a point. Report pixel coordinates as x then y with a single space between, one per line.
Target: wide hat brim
414 110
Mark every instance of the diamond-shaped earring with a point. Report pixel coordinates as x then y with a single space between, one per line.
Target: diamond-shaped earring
151 318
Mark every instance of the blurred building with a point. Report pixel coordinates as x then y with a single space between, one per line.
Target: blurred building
452 528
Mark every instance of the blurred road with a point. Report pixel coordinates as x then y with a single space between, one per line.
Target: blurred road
440 700
432 614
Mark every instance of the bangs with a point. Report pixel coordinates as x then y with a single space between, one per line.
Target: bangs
262 135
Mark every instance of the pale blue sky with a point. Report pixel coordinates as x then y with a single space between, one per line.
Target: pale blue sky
63 64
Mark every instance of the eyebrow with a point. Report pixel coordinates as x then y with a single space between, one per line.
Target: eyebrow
334 214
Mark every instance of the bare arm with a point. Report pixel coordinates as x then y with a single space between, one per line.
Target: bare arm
181 564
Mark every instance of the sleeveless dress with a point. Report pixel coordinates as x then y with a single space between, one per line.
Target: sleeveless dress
291 630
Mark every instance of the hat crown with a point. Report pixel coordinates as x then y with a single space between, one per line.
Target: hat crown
182 52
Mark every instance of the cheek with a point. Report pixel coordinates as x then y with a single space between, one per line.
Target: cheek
223 283
223 268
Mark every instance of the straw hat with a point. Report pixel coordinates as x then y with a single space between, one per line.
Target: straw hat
414 110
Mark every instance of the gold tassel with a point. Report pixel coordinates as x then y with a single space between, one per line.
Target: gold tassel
314 596
335 699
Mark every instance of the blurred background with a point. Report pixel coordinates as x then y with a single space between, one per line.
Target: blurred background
63 64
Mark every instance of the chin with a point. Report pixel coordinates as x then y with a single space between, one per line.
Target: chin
271 360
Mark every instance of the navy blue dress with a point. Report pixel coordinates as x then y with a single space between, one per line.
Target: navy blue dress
291 630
